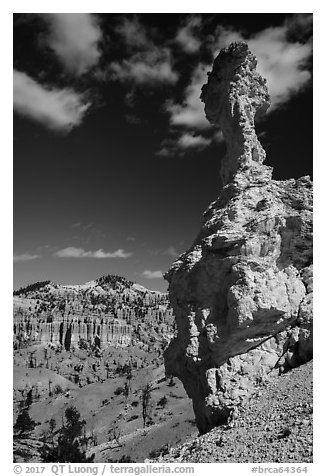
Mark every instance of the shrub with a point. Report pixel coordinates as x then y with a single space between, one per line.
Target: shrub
159 452
123 459
171 382
162 402
83 344
285 433
118 391
175 396
57 389
133 417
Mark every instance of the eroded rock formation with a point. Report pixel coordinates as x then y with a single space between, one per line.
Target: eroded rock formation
106 312
68 330
242 294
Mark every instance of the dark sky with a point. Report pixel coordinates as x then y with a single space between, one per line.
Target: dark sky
114 161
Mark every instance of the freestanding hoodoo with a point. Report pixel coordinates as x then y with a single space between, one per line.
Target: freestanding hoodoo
242 294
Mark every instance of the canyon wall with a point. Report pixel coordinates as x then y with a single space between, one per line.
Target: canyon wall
69 330
242 294
107 312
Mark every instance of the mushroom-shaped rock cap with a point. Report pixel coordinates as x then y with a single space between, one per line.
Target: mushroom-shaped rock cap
233 96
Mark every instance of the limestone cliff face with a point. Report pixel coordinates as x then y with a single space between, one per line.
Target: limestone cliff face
110 311
69 329
242 294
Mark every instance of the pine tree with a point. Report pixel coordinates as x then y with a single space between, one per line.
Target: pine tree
146 396
24 424
68 448
29 398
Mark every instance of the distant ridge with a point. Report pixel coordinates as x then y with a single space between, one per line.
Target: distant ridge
31 287
112 280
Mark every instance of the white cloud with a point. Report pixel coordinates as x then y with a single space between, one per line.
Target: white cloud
191 112
74 37
171 251
133 33
186 141
280 61
25 257
153 274
152 67
146 62
58 109
165 152
189 141
186 36
218 137
73 252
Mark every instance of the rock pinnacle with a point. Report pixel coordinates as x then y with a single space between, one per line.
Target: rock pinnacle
234 96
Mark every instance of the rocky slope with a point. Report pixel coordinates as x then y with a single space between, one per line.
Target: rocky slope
105 407
95 347
242 294
275 427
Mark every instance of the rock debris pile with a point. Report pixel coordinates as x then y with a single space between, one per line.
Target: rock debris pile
275 427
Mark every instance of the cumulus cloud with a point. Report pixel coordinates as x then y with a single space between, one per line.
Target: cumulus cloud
73 252
218 137
151 67
25 257
187 118
187 37
146 62
74 38
189 141
185 142
58 109
133 33
164 152
190 113
282 58
153 274
280 61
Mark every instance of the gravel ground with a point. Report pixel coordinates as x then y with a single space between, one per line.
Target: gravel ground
275 427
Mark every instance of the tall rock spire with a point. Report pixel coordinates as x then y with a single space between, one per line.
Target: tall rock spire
242 293
234 96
